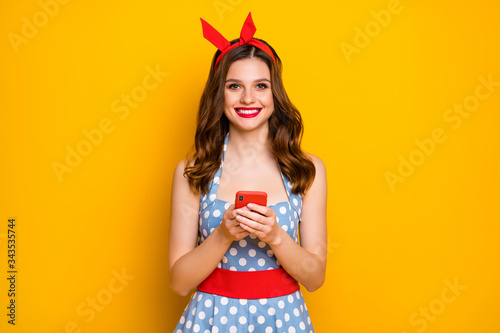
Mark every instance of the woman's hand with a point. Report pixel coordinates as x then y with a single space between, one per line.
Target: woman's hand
230 227
260 221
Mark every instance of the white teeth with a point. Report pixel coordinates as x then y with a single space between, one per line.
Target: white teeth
248 111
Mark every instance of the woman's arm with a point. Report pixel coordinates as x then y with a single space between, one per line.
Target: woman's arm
305 263
190 264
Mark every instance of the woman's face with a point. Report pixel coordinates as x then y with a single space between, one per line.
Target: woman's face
248 96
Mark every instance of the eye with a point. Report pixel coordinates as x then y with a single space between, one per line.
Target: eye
262 86
233 86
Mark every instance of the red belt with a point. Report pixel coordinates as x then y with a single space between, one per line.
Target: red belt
249 285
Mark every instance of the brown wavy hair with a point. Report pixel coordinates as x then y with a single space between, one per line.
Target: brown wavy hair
285 125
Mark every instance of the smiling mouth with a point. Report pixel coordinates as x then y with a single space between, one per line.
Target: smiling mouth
247 112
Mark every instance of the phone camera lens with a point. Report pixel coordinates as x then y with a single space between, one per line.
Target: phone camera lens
240 198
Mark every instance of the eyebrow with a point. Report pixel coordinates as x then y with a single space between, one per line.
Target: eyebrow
258 80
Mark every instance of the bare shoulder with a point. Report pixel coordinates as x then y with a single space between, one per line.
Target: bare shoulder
179 169
318 163
180 166
318 186
180 182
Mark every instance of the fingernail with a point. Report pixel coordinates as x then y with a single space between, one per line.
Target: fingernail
250 205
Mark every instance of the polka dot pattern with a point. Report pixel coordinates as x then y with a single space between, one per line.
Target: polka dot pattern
217 314
252 315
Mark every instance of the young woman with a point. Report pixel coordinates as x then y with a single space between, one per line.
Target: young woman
247 263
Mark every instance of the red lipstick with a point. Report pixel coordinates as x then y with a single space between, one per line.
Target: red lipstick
247 112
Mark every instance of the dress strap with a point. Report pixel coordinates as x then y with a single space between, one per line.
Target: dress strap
286 182
213 187
294 200
225 147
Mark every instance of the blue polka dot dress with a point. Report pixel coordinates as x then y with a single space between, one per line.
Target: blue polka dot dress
207 312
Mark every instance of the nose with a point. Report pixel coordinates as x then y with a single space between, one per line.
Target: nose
247 96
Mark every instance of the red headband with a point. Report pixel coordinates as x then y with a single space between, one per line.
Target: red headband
246 37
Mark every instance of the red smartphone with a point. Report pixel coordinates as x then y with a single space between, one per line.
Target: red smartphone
243 198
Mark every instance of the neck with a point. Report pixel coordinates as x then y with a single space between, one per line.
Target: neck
249 147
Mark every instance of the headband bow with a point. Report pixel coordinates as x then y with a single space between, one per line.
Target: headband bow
246 37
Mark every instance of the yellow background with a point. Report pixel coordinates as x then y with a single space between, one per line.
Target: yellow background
391 249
